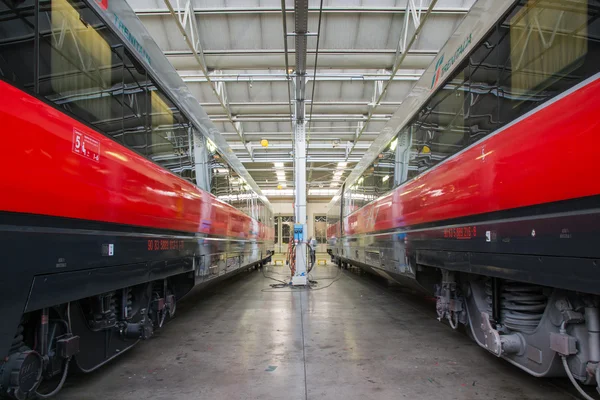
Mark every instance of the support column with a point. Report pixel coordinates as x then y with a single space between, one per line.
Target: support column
302 258
300 230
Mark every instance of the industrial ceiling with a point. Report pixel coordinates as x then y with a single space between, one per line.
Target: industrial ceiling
232 55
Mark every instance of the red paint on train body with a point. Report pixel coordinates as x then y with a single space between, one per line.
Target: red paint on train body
542 158
48 171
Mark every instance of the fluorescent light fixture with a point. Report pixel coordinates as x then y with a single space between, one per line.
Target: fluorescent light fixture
322 192
393 144
342 164
278 192
278 165
337 175
385 178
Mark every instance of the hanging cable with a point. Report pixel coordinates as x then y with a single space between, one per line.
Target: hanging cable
65 368
287 64
312 96
573 381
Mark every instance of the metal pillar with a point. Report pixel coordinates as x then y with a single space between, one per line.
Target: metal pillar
300 202
301 29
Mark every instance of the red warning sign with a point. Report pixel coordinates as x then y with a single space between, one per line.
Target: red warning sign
103 4
86 146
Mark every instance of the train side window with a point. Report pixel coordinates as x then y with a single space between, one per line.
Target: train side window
383 169
17 34
168 142
80 69
219 175
135 110
481 90
162 143
403 148
442 125
544 50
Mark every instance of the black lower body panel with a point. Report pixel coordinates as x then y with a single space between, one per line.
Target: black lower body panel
559 250
59 261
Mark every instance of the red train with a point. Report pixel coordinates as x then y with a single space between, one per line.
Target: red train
114 201
488 196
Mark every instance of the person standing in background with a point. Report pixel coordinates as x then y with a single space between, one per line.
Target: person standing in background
312 244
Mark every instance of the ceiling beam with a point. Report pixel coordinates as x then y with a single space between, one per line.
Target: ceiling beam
238 52
415 14
185 20
316 103
309 159
253 78
150 12
289 145
286 117
290 169
328 58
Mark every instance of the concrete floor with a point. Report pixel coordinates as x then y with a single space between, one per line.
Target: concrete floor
356 339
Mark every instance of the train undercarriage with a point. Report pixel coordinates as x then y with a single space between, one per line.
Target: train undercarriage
82 335
545 331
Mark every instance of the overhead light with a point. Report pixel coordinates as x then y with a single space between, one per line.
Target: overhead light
322 192
342 164
385 178
278 192
393 144
278 165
